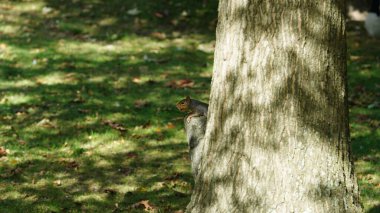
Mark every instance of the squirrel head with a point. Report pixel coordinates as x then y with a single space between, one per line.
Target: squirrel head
184 104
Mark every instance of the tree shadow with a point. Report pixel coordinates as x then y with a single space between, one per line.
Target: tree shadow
70 76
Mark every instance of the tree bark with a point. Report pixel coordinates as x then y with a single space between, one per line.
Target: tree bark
277 137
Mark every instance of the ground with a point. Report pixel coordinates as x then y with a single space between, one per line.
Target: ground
87 103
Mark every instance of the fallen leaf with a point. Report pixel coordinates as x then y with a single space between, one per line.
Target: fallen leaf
3 152
371 159
133 12
67 65
46 10
355 57
115 125
58 182
125 171
16 171
21 142
158 35
175 176
20 114
170 125
46 123
144 204
362 118
84 111
183 83
146 125
159 15
136 80
140 103
72 164
136 136
79 99
110 191
132 155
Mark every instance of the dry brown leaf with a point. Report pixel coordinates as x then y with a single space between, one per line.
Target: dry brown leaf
46 123
132 154
84 111
158 35
114 125
140 103
159 15
125 171
144 204
355 57
170 125
175 176
72 164
146 125
182 83
185 83
21 142
3 152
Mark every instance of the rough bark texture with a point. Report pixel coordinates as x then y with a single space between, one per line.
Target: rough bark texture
277 136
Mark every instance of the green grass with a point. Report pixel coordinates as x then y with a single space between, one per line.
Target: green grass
87 112
364 98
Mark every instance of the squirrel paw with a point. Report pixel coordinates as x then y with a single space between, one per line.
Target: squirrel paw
188 119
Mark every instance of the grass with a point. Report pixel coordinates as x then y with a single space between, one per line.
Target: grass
364 88
87 93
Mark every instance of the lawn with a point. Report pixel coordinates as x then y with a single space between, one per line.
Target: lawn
87 103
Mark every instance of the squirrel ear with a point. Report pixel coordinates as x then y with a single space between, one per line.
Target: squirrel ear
188 98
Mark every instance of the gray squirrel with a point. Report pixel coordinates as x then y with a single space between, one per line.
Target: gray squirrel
195 127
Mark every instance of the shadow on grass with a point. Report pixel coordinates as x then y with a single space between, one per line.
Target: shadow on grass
72 73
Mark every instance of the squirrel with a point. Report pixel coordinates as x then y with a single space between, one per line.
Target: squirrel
195 129
194 107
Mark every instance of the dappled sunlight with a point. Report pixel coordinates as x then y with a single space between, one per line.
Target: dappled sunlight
56 78
96 141
15 99
93 196
87 49
25 6
9 29
23 83
87 101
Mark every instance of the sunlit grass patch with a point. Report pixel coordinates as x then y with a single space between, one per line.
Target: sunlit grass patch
87 105
15 99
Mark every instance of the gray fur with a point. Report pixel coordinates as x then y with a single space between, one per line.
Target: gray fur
195 130
201 108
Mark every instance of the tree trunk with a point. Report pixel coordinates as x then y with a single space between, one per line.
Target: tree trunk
277 137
